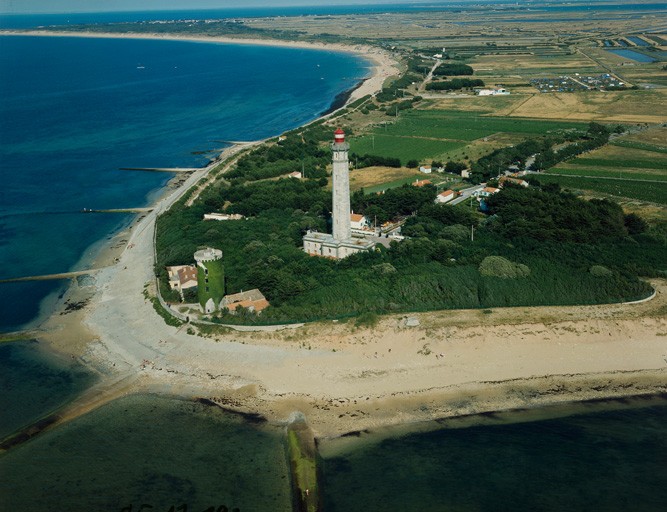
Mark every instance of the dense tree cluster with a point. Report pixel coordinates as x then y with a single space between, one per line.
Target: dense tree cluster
454 167
453 69
558 217
394 202
596 137
292 154
536 246
546 156
361 161
395 108
499 160
455 84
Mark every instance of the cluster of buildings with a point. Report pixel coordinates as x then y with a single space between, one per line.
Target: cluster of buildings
207 277
495 91
577 83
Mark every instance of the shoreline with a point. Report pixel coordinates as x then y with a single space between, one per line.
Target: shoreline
106 251
455 363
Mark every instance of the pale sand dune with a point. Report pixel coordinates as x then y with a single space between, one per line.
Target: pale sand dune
343 378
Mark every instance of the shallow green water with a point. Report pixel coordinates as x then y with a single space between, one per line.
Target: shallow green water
600 461
149 450
33 383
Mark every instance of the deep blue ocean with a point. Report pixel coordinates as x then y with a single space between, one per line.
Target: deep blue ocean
74 111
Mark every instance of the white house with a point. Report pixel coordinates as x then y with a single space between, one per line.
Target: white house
182 277
358 221
488 191
426 169
445 196
296 174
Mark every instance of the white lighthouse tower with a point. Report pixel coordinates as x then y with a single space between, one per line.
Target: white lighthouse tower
341 187
341 243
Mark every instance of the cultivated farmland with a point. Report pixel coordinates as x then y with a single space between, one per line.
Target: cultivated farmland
445 134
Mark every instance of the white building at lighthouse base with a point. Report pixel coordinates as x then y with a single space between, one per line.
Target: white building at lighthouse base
326 246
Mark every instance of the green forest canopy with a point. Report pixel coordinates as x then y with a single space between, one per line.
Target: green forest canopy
554 236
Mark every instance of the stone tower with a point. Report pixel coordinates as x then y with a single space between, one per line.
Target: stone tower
340 244
341 188
210 278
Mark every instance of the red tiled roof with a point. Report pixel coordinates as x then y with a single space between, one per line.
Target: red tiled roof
421 183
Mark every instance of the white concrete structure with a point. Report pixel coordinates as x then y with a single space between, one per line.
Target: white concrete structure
426 169
445 197
207 254
496 91
358 221
340 244
223 216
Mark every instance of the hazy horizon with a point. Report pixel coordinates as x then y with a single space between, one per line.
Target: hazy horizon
91 6
86 6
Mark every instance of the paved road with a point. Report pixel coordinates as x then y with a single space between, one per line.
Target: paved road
466 194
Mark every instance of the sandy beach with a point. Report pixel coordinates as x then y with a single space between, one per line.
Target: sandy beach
345 378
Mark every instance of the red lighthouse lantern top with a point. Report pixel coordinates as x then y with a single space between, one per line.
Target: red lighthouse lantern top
339 136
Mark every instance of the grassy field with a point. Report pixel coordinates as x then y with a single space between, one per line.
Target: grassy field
373 176
461 125
404 148
615 161
654 140
630 189
621 173
640 145
431 134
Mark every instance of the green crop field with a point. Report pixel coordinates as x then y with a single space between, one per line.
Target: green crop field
630 160
620 173
404 148
439 128
435 134
640 145
652 192
451 124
